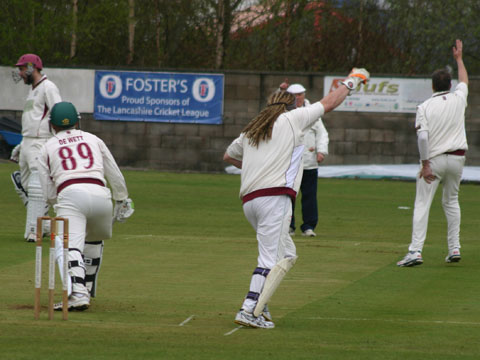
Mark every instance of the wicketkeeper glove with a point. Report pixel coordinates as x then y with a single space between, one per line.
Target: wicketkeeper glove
356 77
15 155
123 210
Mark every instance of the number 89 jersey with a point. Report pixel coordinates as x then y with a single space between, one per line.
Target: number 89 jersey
75 154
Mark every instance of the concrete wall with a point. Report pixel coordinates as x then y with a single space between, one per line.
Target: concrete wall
355 138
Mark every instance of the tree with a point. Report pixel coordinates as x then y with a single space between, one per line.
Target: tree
425 31
131 31
220 48
225 9
388 36
73 43
102 33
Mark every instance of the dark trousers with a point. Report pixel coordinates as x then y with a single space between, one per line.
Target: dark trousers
308 188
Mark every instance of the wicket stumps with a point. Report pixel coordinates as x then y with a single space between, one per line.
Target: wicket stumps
51 266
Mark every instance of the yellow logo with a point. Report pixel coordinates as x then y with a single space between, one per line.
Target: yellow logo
65 121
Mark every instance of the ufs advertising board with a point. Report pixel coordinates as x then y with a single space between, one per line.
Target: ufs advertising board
159 97
400 95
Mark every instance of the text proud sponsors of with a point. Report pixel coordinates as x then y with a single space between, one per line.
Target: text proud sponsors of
159 97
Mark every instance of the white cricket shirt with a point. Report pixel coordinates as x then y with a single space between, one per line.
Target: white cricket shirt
315 137
40 101
443 116
76 154
275 166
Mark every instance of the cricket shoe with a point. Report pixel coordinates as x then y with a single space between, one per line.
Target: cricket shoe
266 313
31 238
291 232
309 232
76 302
19 189
411 259
453 256
247 319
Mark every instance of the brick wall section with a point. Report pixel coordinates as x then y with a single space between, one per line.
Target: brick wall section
355 138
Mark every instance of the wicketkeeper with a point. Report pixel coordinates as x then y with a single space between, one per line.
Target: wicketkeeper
269 152
73 166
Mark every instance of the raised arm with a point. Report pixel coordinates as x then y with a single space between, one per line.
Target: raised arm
336 97
458 56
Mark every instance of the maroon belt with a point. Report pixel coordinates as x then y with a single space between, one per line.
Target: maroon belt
270 192
79 181
456 152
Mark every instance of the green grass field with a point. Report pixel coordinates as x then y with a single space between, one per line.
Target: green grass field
175 274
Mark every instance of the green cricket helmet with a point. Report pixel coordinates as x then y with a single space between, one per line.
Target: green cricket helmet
64 115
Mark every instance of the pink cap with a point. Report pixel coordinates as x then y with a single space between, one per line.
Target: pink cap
30 59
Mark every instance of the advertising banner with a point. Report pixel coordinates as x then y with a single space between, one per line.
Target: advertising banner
400 95
159 97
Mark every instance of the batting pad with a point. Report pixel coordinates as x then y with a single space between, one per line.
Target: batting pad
59 256
272 281
93 253
36 205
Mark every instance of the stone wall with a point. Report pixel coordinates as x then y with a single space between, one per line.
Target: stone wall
355 138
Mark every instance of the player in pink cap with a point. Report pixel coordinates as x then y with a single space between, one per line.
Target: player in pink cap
42 96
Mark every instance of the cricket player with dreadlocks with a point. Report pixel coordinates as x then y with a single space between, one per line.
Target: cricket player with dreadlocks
73 167
269 152
42 96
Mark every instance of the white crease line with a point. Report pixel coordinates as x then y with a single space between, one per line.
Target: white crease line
400 320
232 331
128 237
186 320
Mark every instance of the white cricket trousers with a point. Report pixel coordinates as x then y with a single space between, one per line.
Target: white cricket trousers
448 170
88 208
28 162
28 159
270 216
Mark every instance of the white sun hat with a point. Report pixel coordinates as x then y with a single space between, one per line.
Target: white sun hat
296 89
